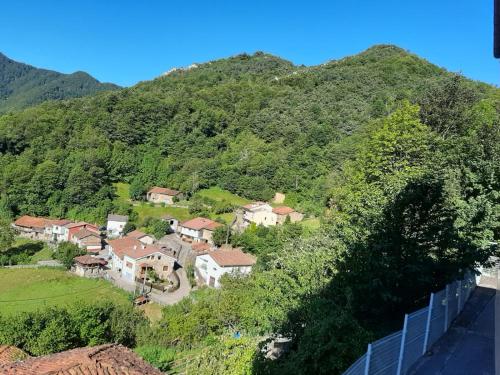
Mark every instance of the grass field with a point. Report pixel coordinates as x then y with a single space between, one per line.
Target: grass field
44 254
28 289
144 210
122 191
218 194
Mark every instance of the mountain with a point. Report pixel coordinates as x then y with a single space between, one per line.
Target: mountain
23 85
251 124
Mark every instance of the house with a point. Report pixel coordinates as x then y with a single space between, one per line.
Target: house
73 228
132 259
103 359
116 224
143 237
283 212
163 195
260 213
31 227
89 266
87 239
55 230
210 267
172 221
199 229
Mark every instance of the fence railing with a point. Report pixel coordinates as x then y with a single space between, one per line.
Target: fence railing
396 353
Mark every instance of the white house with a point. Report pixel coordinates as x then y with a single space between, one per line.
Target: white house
262 213
172 221
56 231
212 266
132 259
143 237
198 229
115 224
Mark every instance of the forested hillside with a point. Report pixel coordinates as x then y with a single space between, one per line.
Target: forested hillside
23 85
399 158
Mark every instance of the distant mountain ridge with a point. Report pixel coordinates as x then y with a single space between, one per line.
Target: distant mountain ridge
23 85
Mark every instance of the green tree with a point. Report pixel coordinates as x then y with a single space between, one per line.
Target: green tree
66 252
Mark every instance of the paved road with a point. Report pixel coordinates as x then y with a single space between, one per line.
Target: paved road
468 348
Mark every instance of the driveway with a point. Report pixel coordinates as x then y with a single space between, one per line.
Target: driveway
468 348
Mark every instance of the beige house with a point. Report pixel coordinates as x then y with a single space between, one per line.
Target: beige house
262 213
143 237
132 259
89 266
283 212
163 195
31 227
198 229
88 240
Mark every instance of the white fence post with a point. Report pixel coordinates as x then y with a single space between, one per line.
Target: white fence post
402 347
368 357
447 300
428 324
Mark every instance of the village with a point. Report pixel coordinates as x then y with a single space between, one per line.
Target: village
165 269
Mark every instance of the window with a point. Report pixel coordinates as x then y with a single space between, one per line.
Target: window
159 257
165 268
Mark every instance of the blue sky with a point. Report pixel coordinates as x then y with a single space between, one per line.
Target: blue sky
126 41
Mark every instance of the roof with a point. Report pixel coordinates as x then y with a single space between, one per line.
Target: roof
9 354
84 233
80 224
255 205
232 258
104 359
31 222
164 191
59 222
88 260
132 248
283 210
201 223
200 247
137 234
119 218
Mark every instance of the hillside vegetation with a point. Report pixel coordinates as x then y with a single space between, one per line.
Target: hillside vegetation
23 85
398 158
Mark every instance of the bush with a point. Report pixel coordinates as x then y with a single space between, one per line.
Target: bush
66 252
159 357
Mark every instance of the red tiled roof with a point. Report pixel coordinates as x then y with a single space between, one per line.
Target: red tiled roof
164 191
132 248
232 258
283 210
201 223
88 260
84 233
59 222
82 224
137 234
200 247
31 222
104 359
10 354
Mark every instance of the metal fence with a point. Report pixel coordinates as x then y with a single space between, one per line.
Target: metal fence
396 353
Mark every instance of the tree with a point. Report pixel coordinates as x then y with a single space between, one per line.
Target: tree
221 235
7 236
66 252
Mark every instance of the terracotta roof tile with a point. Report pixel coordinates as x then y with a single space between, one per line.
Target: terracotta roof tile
232 258
84 233
254 205
88 260
133 248
201 223
10 354
137 234
103 359
164 191
283 210
200 247
31 222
